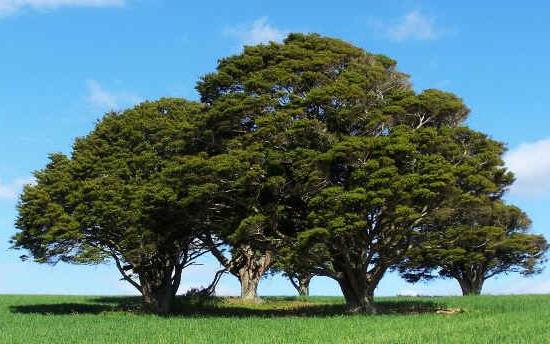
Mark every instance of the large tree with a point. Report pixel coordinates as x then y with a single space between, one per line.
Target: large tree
323 112
381 191
256 103
133 191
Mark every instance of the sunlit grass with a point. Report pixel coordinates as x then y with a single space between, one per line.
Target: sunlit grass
80 319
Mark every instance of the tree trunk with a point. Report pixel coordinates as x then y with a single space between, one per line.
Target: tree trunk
370 292
356 296
471 287
300 282
247 264
249 287
252 267
358 286
303 288
159 288
158 300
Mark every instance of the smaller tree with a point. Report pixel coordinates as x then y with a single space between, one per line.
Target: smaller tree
481 239
133 191
380 191
294 269
300 281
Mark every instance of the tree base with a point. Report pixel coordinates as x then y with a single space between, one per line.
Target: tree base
254 300
158 303
368 308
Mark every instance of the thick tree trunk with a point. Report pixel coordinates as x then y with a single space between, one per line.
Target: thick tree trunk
252 267
159 288
357 297
471 287
358 286
249 287
247 264
158 300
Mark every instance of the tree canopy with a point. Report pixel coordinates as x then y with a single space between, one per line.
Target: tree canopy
311 156
478 239
132 191
343 137
474 234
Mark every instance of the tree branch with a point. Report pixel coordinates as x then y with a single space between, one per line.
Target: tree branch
125 276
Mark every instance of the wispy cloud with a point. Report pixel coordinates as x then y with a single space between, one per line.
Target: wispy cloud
10 190
530 162
441 287
101 98
9 7
531 285
414 25
260 31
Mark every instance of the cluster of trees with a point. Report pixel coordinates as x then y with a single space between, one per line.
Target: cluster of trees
311 157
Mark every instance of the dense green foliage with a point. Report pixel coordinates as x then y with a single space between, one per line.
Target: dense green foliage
479 241
312 157
345 166
132 191
474 235
72 319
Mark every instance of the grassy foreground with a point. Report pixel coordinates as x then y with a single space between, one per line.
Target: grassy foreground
80 319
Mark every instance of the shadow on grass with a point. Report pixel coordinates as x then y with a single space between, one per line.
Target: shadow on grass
62 308
228 307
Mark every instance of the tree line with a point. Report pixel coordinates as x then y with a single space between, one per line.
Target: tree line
310 157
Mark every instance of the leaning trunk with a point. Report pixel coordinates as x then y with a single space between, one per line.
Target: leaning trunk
303 287
370 292
300 282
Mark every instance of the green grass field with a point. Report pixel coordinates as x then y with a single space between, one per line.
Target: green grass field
80 319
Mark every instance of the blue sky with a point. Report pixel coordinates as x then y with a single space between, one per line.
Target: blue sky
63 63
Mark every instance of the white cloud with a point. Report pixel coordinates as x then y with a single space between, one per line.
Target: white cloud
98 96
104 99
408 292
10 190
8 7
532 285
434 288
412 26
530 163
260 31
